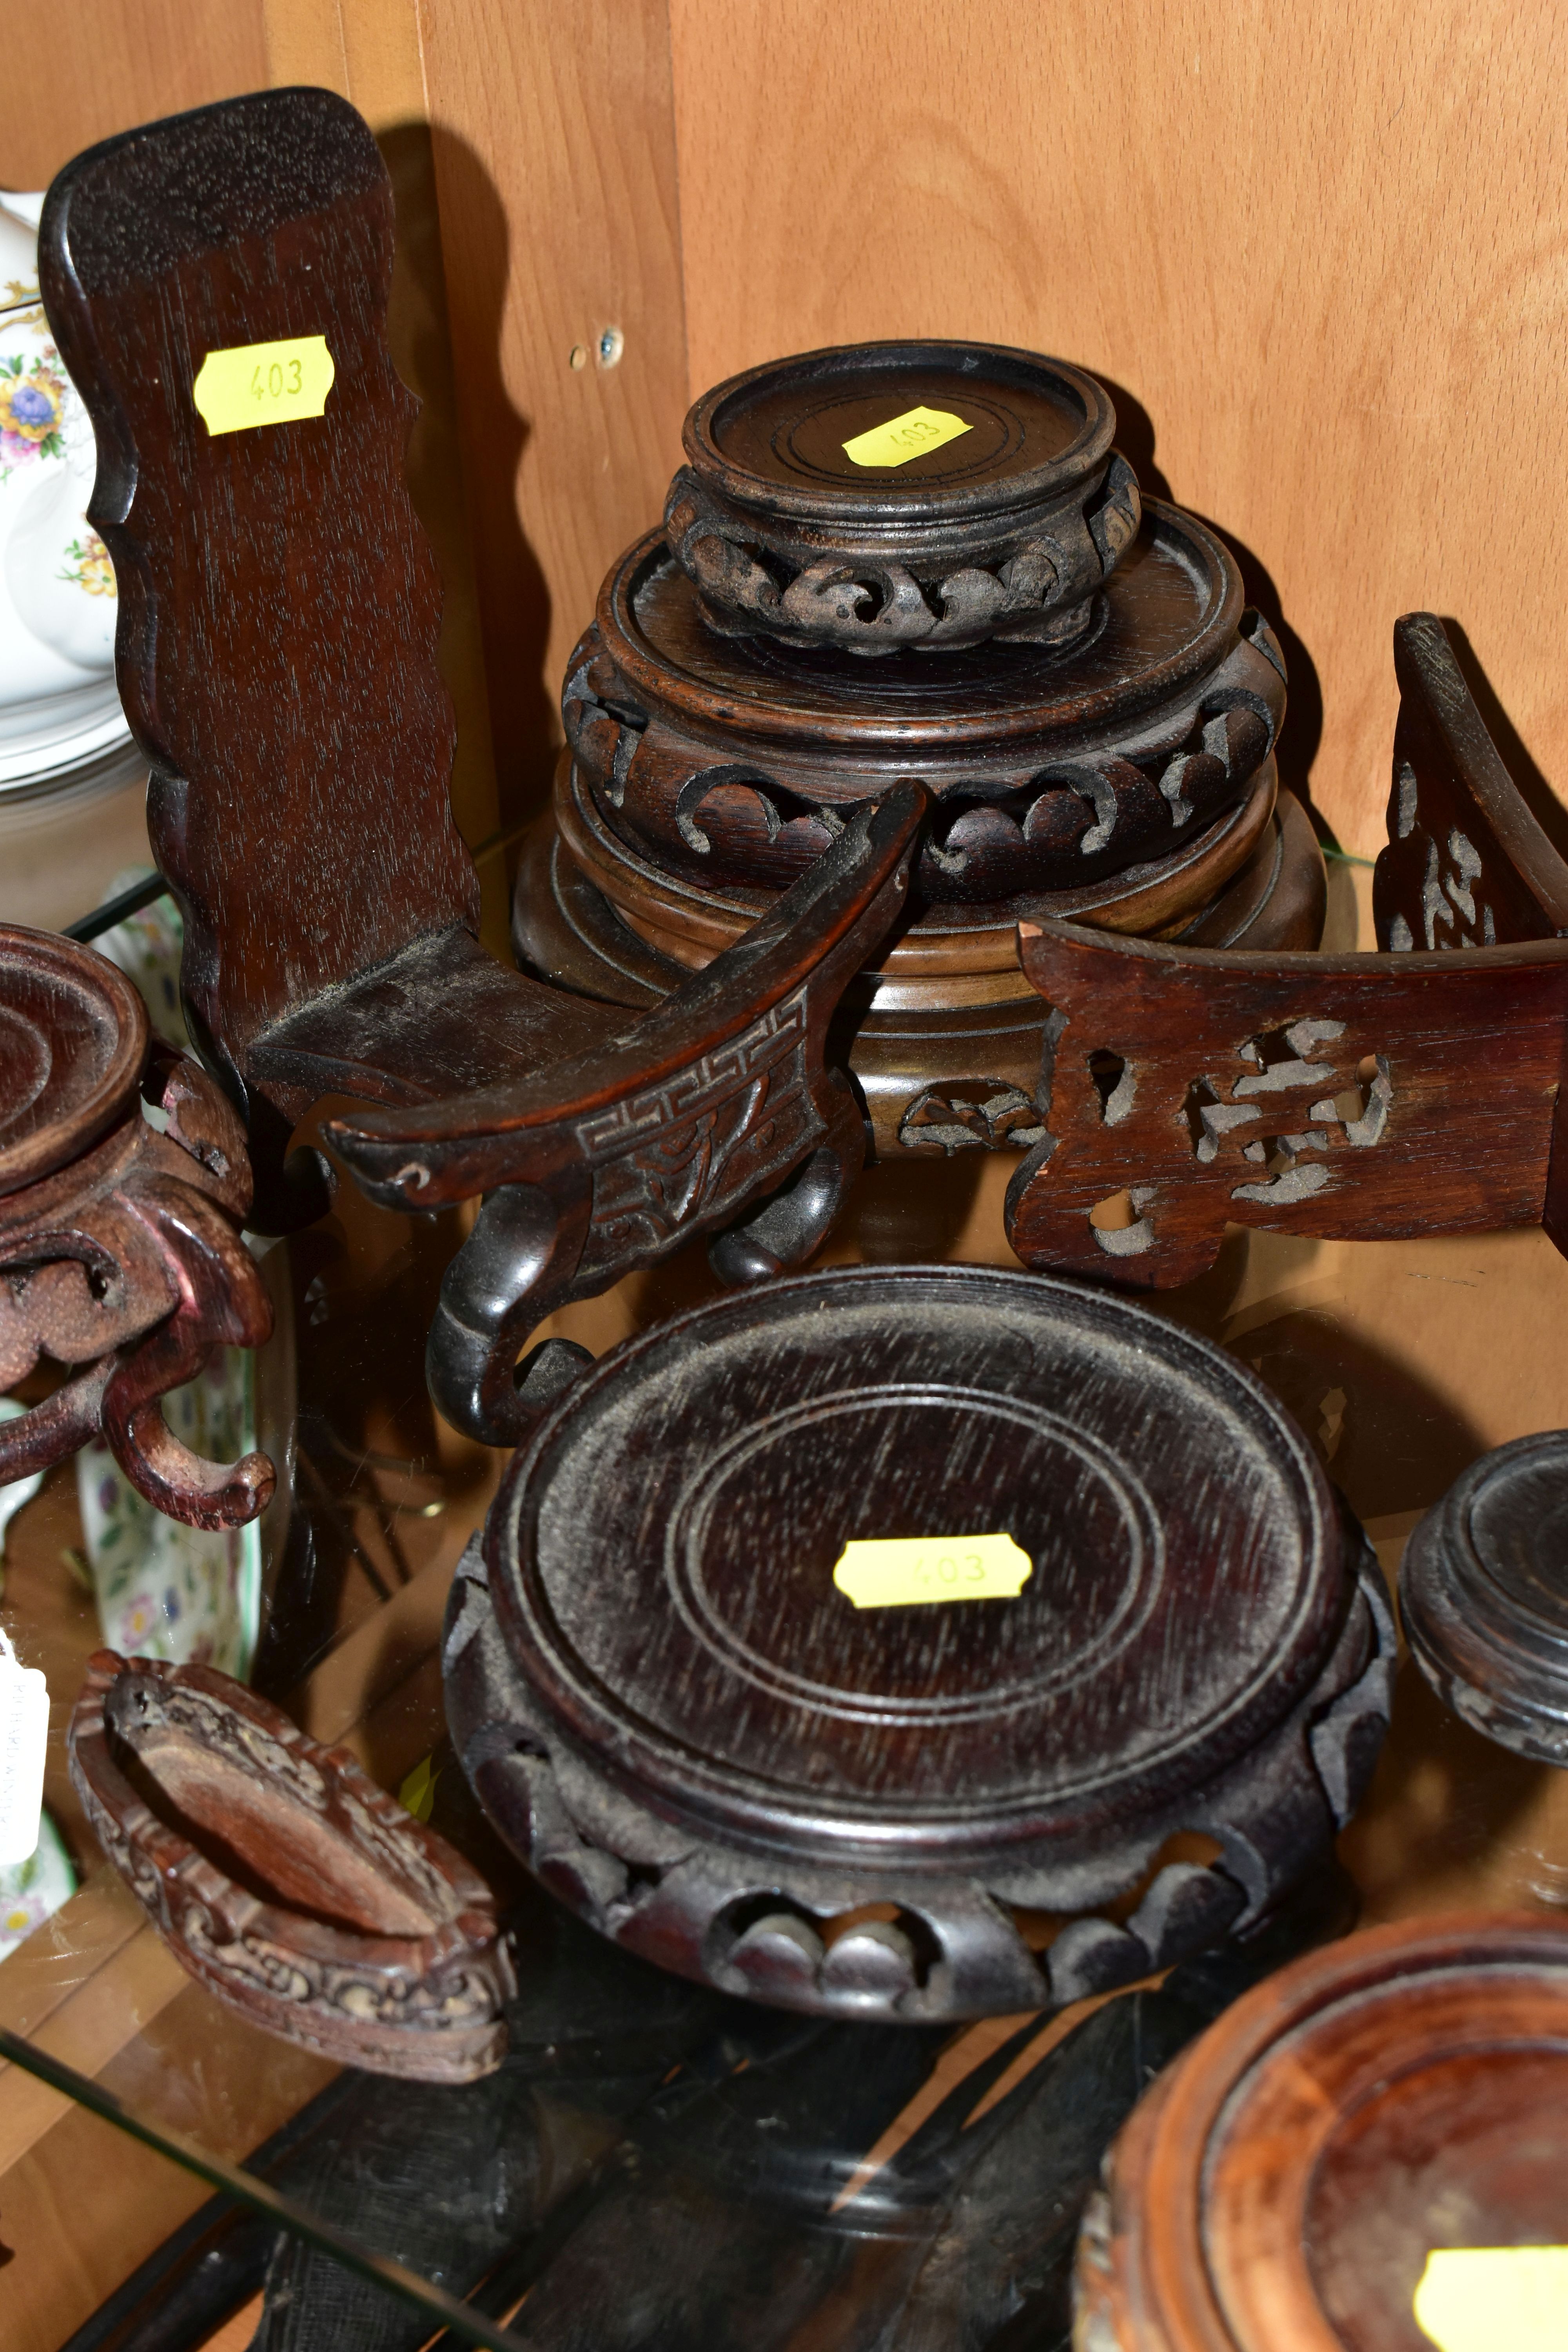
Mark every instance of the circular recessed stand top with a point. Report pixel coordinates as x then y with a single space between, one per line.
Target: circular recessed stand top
933 495
681 1706
1330 2155
669 1546
1168 618
774 438
1483 1588
73 1037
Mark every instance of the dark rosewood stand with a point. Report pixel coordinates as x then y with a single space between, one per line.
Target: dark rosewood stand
1070 673
120 1248
673 1713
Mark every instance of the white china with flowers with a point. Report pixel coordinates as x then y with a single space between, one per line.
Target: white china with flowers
59 712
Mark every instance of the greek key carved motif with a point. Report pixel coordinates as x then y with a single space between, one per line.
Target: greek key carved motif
682 1150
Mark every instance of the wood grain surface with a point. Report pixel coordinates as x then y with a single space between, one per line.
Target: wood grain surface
1323 254
555 166
104 66
119 63
1285 2183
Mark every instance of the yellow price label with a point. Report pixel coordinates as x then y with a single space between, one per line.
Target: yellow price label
902 1571
903 437
264 383
1477 2299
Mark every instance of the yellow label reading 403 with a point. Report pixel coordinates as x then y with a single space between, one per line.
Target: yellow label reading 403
901 1571
264 383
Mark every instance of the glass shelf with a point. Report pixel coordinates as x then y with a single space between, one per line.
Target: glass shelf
655 2163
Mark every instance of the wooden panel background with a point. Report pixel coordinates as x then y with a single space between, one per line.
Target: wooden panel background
1324 247
1321 258
553 127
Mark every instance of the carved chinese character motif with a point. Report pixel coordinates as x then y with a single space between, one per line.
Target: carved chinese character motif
1354 1096
120 1248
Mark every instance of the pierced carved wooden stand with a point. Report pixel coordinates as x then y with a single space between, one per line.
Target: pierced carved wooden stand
120 1248
1069 672
671 1711
1483 1593
279 1875
1311 1093
1288 2182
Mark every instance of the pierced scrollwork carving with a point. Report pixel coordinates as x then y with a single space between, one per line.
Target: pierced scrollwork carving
1331 1096
119 1251
913 1946
289 1885
987 1115
1449 911
1466 864
1002 825
1037 589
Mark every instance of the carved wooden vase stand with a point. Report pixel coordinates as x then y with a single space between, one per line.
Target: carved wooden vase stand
284 1880
302 809
1069 673
1295 2181
1483 1592
1190 1088
674 1714
120 1248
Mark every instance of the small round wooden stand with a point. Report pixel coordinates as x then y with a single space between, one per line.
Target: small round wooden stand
1294 2180
1483 1591
920 494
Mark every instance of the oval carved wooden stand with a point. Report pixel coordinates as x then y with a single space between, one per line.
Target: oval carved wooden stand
675 1715
1284 2185
120 1248
289 1885
1483 1592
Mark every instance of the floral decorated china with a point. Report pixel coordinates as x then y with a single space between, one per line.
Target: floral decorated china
59 707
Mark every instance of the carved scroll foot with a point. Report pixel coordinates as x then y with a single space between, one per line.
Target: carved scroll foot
121 1258
517 1264
792 1223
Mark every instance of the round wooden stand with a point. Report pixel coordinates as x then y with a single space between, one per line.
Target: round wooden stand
674 1714
1286 2183
921 494
726 759
942 1032
1483 1590
120 1248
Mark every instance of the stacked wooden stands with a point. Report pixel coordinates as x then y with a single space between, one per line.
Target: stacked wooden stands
917 559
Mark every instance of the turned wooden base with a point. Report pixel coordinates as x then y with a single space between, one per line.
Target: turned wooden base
677 1711
731 760
1295 2177
1483 1592
995 509
942 1032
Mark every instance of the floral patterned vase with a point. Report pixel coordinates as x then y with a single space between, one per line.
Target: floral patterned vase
167 1591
